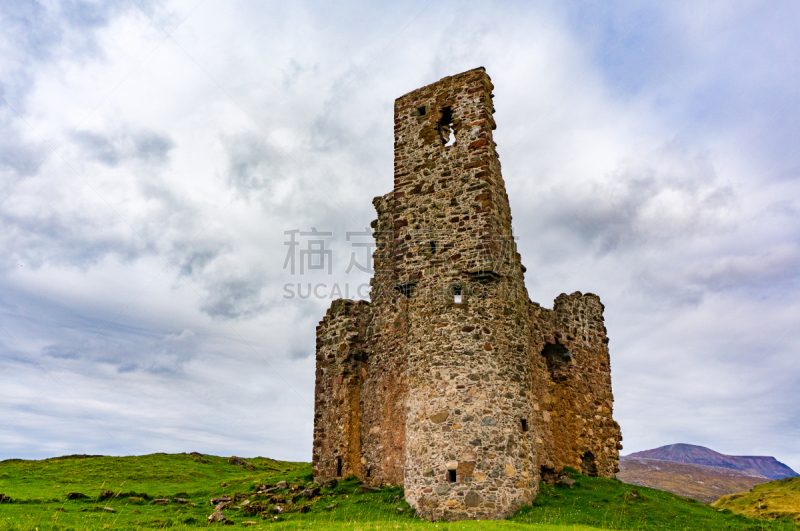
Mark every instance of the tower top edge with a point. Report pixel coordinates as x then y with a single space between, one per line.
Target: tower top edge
466 74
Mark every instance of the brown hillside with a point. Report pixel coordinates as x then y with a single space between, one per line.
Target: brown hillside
701 482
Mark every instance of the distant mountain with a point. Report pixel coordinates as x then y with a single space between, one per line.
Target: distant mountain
703 483
768 467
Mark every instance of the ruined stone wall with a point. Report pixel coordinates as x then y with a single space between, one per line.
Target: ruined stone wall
341 358
361 387
451 381
468 365
385 390
572 387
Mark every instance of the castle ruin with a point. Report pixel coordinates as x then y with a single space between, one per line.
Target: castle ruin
450 381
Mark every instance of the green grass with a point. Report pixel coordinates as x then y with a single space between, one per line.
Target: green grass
609 503
773 500
38 490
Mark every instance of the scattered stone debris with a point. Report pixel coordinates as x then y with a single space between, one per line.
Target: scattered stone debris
223 484
109 509
364 489
161 501
192 505
219 518
304 509
249 522
136 511
329 483
201 461
256 507
76 496
310 492
216 516
215 501
6 499
282 485
564 481
179 500
106 494
238 461
221 505
633 494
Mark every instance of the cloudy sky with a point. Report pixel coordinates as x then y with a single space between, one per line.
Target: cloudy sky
153 156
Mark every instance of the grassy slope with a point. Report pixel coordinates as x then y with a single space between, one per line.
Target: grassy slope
776 499
39 488
613 504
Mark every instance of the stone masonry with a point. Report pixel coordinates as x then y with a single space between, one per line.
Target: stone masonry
450 381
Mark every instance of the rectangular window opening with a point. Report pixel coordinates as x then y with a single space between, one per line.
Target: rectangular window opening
524 423
433 247
457 295
446 127
451 476
421 110
369 472
338 467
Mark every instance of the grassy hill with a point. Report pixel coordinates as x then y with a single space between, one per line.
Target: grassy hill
173 491
703 483
776 499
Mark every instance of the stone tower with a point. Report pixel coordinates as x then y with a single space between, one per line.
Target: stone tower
450 381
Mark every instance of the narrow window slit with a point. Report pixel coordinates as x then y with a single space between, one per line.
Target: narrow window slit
369 472
338 467
457 295
433 247
451 476
524 423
